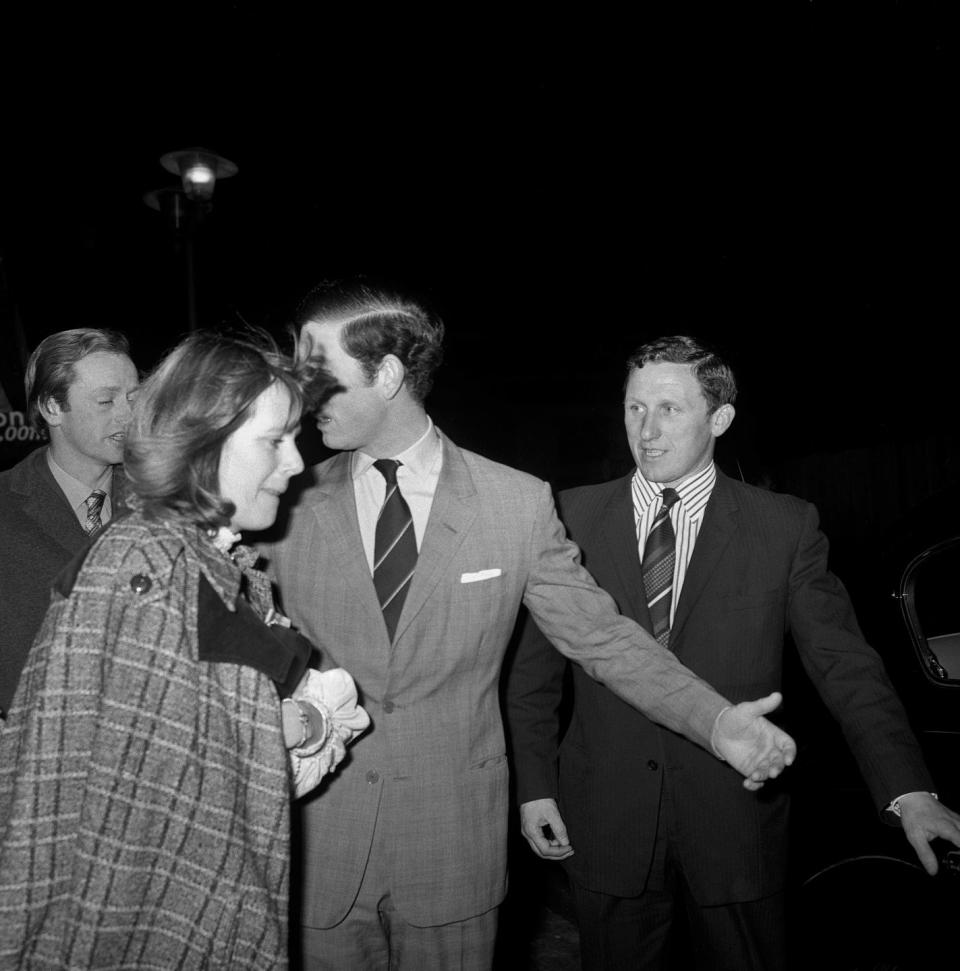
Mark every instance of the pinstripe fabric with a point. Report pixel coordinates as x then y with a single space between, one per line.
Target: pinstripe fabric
686 517
144 794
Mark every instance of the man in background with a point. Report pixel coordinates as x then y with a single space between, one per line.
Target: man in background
719 572
80 385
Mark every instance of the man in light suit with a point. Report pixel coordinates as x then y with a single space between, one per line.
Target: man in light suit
79 384
404 851
647 826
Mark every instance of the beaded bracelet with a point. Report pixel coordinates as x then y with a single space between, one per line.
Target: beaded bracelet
304 723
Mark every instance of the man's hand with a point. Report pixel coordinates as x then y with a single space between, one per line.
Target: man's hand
543 814
755 747
924 819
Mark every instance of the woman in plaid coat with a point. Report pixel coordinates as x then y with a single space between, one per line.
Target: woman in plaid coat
145 769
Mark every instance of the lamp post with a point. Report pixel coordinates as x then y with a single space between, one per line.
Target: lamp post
186 205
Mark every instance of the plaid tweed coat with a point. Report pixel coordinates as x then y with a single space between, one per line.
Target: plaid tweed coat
144 793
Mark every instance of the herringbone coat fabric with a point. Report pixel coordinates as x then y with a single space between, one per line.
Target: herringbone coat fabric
144 794
432 770
40 535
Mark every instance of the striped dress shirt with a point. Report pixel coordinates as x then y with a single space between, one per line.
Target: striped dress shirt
686 516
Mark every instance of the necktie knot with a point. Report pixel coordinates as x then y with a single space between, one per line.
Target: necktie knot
669 497
94 503
388 469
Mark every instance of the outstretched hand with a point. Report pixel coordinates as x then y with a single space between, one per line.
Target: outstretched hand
755 747
924 819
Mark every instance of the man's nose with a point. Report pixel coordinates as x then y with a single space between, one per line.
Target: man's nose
123 411
649 429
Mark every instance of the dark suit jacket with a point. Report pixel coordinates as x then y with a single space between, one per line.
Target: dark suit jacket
759 570
40 535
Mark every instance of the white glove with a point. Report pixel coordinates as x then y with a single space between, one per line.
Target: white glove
334 694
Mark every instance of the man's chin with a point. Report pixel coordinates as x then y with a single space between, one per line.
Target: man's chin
113 455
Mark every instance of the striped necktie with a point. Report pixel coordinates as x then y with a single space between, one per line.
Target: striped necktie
94 503
394 549
659 554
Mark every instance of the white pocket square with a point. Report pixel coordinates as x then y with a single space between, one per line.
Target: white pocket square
479 575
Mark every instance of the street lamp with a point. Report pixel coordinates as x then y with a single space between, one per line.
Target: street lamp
184 207
199 169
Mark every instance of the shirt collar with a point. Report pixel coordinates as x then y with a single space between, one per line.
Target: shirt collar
420 458
76 491
692 491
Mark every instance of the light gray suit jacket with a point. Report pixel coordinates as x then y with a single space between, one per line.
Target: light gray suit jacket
433 767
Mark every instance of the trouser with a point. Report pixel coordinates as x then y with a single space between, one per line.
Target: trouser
375 937
620 933
665 928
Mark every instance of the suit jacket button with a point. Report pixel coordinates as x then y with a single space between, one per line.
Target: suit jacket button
652 765
373 777
388 706
140 584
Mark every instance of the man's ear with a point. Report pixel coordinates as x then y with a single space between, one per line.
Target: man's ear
722 419
51 411
391 374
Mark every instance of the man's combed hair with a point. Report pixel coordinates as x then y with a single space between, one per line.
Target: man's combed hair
716 377
51 368
377 323
196 398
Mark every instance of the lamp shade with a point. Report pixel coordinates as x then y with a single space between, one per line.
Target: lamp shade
199 169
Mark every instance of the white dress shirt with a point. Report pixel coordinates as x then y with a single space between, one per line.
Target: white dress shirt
417 479
685 515
77 492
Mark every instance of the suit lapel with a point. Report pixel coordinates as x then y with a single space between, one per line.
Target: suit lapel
720 523
46 506
453 511
619 535
337 530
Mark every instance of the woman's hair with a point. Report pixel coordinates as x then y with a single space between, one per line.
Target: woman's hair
198 395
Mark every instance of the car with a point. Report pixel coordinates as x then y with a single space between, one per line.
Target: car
858 891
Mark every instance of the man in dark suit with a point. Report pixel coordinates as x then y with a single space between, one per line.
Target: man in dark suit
79 385
719 571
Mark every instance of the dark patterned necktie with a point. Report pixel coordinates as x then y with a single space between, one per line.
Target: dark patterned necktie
659 555
94 503
395 548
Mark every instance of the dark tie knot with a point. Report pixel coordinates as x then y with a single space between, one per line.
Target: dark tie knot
388 469
95 501
669 497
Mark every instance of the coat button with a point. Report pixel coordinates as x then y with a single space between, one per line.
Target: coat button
652 765
373 777
388 707
140 583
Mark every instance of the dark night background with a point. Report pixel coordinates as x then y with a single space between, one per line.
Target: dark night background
559 188
779 179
